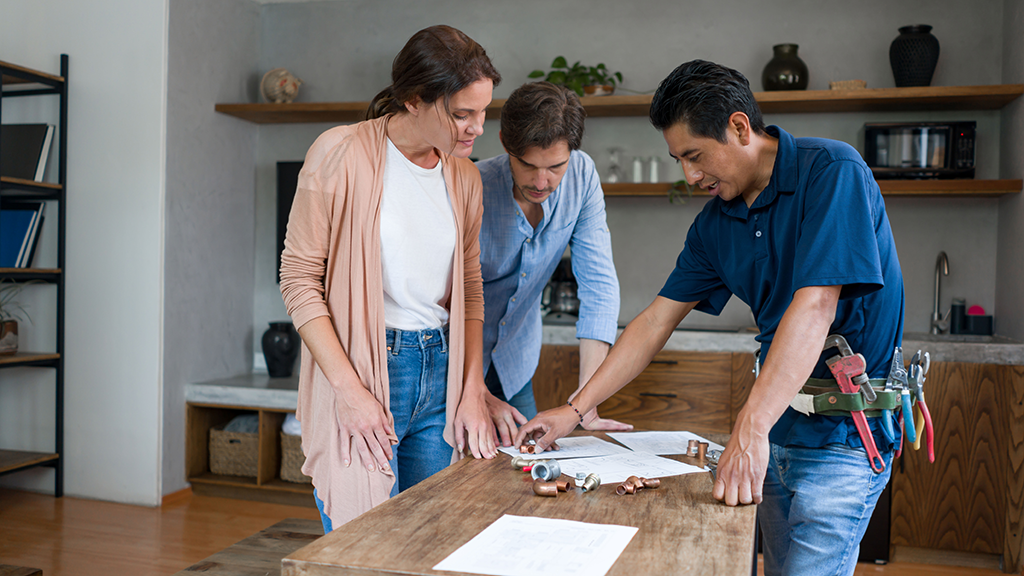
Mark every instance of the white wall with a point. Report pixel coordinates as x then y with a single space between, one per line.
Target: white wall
1010 279
213 51
118 54
343 51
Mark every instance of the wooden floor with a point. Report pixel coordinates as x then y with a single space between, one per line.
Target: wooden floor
71 536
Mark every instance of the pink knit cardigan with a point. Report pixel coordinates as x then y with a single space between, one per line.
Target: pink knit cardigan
331 266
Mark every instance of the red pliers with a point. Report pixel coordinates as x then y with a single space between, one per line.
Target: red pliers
919 367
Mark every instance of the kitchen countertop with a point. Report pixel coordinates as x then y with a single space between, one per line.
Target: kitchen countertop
260 390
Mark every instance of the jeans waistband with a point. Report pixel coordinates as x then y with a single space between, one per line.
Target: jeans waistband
397 338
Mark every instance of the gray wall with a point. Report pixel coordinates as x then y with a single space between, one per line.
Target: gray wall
114 272
343 51
210 217
1010 275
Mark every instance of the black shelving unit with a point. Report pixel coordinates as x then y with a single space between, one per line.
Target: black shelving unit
20 82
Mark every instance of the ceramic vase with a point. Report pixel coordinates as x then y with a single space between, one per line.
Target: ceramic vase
280 348
785 71
913 55
8 337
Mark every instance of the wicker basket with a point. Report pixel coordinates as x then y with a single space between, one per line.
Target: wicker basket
233 453
292 459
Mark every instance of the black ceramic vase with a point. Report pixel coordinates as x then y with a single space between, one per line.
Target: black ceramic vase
913 55
280 347
785 71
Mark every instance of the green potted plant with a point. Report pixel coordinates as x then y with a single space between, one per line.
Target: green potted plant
583 80
10 312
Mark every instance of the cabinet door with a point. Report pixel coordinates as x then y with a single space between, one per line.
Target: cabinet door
960 502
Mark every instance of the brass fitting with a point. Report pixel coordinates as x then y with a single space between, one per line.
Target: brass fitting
520 462
591 483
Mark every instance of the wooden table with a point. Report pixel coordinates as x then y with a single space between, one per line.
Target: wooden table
682 529
259 554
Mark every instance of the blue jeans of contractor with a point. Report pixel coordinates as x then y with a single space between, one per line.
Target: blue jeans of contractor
418 382
816 506
522 400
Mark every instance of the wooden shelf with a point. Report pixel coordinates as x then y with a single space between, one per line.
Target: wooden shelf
972 188
991 97
12 460
29 359
26 274
22 184
14 74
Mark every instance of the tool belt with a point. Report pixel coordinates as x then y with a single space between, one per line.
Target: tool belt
822 396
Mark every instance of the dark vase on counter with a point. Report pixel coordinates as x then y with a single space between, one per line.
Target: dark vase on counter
280 348
913 55
785 71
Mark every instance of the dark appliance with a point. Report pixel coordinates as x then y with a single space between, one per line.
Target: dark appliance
287 182
919 150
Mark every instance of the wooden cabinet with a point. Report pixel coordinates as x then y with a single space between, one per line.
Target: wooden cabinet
19 82
678 390
970 498
267 485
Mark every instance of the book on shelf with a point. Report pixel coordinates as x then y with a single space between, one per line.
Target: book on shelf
24 150
19 232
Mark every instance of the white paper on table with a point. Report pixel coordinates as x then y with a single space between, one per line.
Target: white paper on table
660 442
618 467
527 546
574 447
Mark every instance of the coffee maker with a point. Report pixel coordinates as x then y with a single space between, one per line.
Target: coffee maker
559 301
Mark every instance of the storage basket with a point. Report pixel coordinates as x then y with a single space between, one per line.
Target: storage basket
292 459
233 453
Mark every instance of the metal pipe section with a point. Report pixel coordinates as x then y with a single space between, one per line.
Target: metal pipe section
546 470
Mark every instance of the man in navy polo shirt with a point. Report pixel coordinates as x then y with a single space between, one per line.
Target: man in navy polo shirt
797 229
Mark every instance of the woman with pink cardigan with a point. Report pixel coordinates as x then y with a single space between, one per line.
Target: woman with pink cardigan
381 275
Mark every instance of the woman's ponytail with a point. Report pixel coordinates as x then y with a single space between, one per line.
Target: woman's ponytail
381 104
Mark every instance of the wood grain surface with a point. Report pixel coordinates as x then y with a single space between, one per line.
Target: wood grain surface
1013 405
261 553
682 529
959 502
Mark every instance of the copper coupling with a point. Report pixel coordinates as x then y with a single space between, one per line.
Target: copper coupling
550 488
634 484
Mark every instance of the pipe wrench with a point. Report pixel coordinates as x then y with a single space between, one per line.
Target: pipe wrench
847 368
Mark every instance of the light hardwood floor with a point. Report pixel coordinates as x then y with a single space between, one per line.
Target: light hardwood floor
76 537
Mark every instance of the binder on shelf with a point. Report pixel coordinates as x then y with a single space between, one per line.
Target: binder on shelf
19 233
24 150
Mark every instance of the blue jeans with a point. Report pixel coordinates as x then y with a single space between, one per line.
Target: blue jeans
418 382
816 506
418 379
522 400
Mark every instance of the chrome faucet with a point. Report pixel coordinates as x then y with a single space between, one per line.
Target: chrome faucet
939 324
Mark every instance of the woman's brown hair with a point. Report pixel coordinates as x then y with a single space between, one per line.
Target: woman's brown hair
435 63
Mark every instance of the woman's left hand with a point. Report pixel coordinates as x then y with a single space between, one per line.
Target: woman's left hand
473 424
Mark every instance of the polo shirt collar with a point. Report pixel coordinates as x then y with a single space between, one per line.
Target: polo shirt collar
784 176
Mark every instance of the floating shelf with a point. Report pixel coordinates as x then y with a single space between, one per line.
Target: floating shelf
991 97
973 188
29 359
14 74
13 460
25 274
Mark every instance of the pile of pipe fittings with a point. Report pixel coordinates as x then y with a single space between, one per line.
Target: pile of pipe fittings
634 484
546 481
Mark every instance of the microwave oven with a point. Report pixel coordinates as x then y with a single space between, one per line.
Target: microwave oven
920 149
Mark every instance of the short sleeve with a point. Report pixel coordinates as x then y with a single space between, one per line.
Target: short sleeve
838 243
694 278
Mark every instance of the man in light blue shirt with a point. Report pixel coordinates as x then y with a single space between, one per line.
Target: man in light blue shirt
543 195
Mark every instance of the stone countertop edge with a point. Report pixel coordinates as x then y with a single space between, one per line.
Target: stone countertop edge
713 341
256 390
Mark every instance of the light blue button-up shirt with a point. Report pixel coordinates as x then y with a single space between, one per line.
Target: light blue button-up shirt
517 261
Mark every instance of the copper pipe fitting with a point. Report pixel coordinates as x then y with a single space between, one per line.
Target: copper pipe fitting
541 488
702 450
651 482
691 447
523 449
562 485
624 488
591 483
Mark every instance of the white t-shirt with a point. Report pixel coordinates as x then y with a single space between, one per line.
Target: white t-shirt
417 244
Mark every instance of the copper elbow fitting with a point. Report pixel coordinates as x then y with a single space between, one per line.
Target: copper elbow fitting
624 488
591 483
562 485
541 488
651 482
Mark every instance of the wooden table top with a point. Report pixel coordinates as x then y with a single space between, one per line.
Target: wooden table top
682 528
259 554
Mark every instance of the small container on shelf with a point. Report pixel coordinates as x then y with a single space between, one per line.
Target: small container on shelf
233 453
292 459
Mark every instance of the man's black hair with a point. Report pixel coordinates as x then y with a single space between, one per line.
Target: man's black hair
703 95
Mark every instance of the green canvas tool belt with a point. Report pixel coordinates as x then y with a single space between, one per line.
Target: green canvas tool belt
822 396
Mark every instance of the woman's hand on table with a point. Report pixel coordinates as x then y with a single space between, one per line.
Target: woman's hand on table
547 427
505 418
473 424
364 428
591 421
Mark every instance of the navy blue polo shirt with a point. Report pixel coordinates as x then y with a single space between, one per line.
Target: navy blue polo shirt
820 221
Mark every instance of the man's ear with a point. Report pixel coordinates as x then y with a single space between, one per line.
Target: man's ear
739 124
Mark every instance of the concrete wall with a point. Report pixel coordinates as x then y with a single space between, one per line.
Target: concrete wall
343 51
208 295
1010 260
116 171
